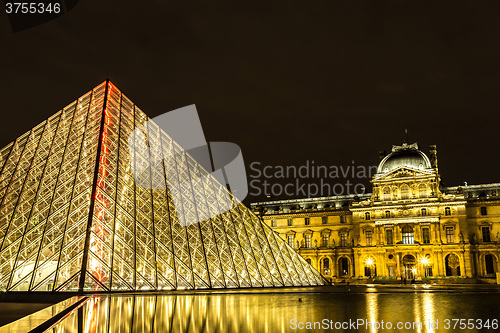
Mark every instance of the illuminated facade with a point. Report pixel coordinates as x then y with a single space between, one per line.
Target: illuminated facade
409 227
73 218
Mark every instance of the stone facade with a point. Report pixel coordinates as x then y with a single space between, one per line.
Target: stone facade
409 227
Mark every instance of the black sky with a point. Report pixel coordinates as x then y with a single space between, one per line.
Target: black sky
330 81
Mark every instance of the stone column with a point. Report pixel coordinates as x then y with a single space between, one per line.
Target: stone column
357 264
440 263
468 263
383 267
399 271
417 234
434 231
440 234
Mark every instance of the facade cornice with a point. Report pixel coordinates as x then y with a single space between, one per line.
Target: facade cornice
411 205
411 220
317 213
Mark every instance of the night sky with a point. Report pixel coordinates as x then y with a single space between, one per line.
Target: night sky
333 81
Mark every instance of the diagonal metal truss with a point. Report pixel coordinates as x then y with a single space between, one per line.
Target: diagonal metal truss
72 217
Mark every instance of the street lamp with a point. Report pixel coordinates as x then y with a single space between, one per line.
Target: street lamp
370 263
426 263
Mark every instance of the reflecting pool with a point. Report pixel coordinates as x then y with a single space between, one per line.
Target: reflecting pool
274 311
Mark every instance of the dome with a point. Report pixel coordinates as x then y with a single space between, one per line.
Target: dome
405 155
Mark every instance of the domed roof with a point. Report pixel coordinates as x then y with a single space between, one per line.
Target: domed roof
405 155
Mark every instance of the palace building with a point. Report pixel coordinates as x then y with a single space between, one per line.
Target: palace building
410 226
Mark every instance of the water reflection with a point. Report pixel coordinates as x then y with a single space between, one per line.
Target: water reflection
274 312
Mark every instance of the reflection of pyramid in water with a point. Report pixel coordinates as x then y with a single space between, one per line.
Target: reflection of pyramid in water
77 162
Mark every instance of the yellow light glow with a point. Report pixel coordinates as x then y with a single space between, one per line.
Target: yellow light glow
369 262
425 261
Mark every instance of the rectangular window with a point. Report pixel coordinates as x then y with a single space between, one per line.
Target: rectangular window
423 212
484 211
447 211
387 214
408 237
307 239
342 219
367 216
289 222
273 223
426 237
307 221
324 219
449 235
486 234
326 240
388 236
368 234
290 240
343 240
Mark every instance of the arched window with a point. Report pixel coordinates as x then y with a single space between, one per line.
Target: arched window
484 211
423 212
367 216
387 214
387 193
326 266
489 262
452 265
407 232
405 192
422 191
447 211
344 266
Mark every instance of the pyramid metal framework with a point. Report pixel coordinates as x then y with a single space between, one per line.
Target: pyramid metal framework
72 217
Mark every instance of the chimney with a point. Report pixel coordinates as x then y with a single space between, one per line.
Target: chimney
433 156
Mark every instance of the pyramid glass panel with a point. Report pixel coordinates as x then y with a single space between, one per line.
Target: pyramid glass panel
74 217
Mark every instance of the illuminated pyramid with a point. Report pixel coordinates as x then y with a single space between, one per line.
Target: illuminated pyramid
73 218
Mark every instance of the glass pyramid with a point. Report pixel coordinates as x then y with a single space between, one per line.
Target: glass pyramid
72 218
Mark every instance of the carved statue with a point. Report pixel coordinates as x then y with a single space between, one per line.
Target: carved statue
315 243
473 238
